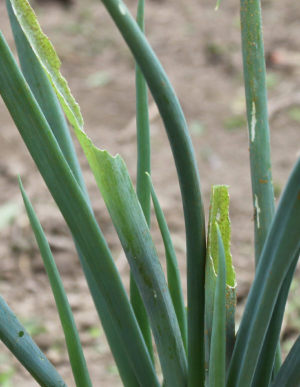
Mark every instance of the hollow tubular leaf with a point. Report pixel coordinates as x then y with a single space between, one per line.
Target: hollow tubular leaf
45 151
46 98
120 198
19 342
173 273
257 116
142 184
75 352
289 373
281 246
217 361
219 212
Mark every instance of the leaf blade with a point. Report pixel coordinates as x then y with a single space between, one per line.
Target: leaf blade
217 360
289 373
121 201
173 274
74 347
19 342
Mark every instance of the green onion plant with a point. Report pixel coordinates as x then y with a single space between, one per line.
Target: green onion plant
198 344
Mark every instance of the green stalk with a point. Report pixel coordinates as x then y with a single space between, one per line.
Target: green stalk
143 131
258 125
257 116
279 253
173 273
47 100
289 373
217 360
75 352
189 180
60 180
19 342
142 184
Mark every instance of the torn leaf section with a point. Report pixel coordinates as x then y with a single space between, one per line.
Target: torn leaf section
48 58
219 213
45 53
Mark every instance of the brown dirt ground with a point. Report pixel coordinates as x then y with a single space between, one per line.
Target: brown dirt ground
200 49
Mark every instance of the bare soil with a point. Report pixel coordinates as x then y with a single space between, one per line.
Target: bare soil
200 50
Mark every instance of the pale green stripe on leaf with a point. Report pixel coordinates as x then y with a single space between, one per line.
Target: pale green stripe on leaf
48 58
